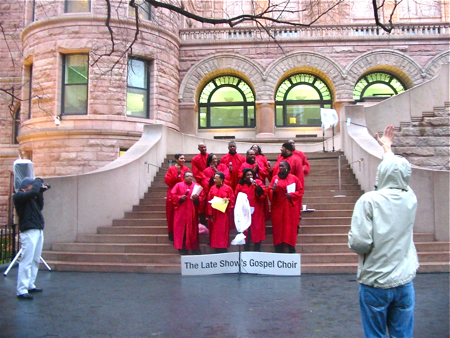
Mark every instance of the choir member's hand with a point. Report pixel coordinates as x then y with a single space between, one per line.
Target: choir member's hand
274 186
194 197
230 167
256 167
183 198
288 196
226 199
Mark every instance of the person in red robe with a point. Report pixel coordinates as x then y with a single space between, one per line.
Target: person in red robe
199 163
186 215
296 164
285 208
219 222
262 163
174 175
213 166
250 162
287 154
198 166
233 161
301 154
256 194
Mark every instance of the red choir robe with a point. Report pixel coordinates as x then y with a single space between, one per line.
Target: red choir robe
219 229
285 214
258 226
236 160
262 172
296 169
198 166
264 164
305 162
209 173
172 178
185 217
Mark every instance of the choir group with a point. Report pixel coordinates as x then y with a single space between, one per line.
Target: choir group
190 192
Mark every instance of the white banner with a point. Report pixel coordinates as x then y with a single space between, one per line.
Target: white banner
264 263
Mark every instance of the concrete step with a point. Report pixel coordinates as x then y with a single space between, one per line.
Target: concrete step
114 267
116 247
325 213
140 222
120 258
133 230
152 214
150 207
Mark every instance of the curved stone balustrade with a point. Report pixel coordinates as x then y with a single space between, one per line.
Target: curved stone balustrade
314 32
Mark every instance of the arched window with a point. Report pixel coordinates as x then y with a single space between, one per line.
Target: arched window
226 101
376 86
298 101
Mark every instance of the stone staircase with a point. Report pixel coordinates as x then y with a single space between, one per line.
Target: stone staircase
138 242
425 141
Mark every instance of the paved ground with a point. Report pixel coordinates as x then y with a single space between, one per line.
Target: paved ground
145 305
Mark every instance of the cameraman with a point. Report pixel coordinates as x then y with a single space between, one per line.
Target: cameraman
29 202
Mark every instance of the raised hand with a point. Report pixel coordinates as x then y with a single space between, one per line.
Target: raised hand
387 139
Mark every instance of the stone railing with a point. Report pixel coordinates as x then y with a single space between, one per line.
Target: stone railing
314 32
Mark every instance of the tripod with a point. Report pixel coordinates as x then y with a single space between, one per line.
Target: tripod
15 259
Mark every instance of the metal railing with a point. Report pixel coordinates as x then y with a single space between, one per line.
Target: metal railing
8 243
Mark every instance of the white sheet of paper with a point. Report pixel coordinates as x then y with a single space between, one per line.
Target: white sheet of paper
197 190
291 188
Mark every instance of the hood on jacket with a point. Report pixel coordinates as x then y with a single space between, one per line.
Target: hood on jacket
393 172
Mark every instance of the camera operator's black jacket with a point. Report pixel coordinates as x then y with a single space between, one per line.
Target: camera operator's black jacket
29 205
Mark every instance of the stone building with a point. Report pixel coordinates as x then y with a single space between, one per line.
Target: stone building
76 93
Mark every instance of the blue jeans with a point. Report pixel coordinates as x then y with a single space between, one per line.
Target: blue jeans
392 308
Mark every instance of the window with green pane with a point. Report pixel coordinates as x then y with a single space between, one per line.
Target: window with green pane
226 102
137 88
75 84
77 6
298 101
377 86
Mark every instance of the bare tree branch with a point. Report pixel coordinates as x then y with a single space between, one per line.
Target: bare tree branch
376 8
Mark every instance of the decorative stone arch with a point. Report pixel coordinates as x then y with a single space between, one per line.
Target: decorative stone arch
433 67
305 62
221 64
407 70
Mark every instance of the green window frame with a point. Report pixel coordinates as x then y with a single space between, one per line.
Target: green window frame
75 84
376 86
138 84
298 100
226 102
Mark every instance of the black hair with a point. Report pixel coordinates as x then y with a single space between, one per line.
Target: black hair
209 159
244 172
177 156
221 175
187 172
259 149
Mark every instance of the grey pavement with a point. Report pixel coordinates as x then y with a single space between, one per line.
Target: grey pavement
154 305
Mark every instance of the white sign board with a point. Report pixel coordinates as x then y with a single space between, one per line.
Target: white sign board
263 263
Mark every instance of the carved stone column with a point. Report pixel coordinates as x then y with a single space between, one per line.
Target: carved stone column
265 119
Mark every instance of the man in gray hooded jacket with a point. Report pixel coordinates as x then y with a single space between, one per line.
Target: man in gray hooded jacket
382 235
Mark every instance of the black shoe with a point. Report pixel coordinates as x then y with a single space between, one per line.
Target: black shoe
171 236
35 290
183 252
197 252
25 296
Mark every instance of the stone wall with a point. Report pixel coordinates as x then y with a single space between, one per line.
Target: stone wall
426 143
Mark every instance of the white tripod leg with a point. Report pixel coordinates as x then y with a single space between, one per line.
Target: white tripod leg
12 263
45 263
